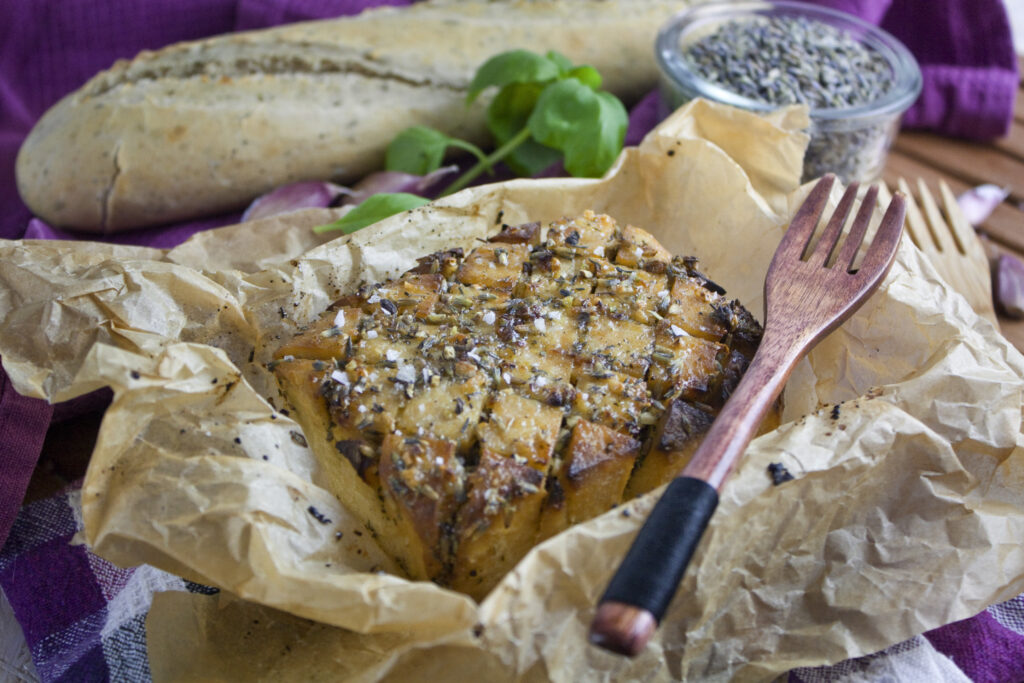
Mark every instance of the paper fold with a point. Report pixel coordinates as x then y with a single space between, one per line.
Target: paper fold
902 429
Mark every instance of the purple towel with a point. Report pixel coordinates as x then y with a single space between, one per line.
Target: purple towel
50 47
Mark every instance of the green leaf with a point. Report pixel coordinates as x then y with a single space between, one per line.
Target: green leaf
375 208
515 66
530 158
588 127
587 75
507 115
420 150
563 63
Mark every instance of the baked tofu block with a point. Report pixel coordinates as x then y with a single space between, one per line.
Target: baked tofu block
625 343
686 366
639 249
345 462
415 293
328 338
678 433
597 465
525 233
494 266
449 409
692 308
616 400
498 523
521 428
485 400
592 234
422 484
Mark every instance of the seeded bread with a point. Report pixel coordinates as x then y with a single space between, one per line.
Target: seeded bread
204 127
486 401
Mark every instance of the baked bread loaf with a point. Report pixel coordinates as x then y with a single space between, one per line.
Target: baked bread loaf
483 402
204 127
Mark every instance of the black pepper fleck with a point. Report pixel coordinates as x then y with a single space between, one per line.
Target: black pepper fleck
779 473
318 516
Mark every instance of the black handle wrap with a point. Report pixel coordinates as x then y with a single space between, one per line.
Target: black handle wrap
650 573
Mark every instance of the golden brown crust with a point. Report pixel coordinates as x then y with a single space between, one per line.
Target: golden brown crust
492 399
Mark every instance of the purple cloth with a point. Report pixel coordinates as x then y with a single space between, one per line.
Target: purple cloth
967 58
23 425
61 593
83 618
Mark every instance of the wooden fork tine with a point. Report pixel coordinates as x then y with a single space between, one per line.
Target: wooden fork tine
802 305
860 228
943 238
963 232
886 239
827 244
916 226
801 228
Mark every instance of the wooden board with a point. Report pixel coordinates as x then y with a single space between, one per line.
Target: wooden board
964 164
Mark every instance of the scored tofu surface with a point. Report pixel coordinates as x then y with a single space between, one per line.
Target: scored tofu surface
486 401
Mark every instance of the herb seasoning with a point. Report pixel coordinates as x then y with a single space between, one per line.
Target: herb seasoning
856 79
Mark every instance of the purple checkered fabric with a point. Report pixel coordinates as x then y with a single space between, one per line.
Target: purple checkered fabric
83 618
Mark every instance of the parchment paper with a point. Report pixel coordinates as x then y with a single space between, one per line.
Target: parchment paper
903 429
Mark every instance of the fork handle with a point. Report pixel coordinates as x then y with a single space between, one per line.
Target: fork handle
650 573
646 581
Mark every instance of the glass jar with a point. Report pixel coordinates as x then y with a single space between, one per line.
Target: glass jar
850 140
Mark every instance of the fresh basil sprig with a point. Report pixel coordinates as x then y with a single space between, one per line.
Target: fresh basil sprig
372 209
545 109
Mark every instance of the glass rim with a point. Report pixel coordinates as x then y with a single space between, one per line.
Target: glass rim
905 90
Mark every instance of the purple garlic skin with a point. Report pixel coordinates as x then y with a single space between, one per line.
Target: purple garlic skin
1009 286
317 194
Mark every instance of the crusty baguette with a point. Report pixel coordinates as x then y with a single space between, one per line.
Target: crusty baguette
204 127
484 402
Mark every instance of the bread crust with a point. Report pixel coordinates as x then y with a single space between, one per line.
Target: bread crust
489 400
204 127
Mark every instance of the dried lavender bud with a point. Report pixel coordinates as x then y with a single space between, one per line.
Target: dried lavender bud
783 60
791 60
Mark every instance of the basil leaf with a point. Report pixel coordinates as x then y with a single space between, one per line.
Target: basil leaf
516 66
507 115
375 208
588 127
587 75
420 150
563 62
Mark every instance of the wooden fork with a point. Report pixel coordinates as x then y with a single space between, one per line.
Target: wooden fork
806 297
950 243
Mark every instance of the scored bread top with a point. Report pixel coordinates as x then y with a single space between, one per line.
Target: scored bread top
483 402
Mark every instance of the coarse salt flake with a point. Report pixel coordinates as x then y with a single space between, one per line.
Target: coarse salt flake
371 334
391 355
540 324
340 376
599 251
676 331
489 318
374 298
339 319
406 373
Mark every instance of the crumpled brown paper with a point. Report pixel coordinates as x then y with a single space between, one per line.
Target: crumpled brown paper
903 429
